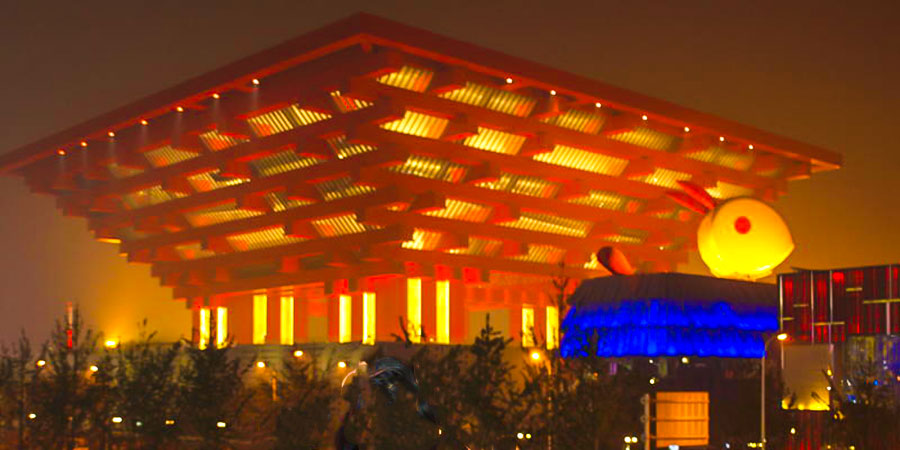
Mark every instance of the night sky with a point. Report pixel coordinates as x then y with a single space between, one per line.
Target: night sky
826 73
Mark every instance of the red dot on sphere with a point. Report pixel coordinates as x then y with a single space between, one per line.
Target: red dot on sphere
742 225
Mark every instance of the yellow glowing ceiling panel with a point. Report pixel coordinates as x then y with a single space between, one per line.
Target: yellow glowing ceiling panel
629 236
193 251
432 168
281 162
493 99
479 247
575 158
664 178
578 120
771 173
545 254
269 237
724 157
546 223
603 199
727 190
147 197
671 214
215 141
409 78
346 104
218 214
278 202
522 185
340 226
209 181
341 188
167 155
648 138
344 149
461 210
418 124
495 141
423 240
120 172
284 119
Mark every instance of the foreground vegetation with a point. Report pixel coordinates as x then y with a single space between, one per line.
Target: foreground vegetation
72 392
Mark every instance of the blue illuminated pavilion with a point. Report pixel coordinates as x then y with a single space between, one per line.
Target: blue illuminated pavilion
669 314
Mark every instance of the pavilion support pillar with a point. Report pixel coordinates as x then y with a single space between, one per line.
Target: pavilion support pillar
458 315
273 317
390 305
301 315
429 310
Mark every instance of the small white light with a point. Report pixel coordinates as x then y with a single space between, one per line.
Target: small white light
94 368
509 80
84 143
793 430
32 416
111 134
41 363
721 138
552 91
117 419
644 117
215 96
520 435
255 81
261 364
685 360
111 343
750 147
61 152
535 355
653 381
598 105
144 122
179 109
527 435
627 439
342 364
220 424
298 353
687 129
139 423
170 422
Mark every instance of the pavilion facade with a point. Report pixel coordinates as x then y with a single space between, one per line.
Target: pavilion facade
322 189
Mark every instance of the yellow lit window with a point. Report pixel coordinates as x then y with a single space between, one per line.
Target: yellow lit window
221 326
287 320
344 332
527 327
259 319
552 327
368 318
204 328
414 308
442 300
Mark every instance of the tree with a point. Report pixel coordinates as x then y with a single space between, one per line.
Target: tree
865 412
146 390
213 395
69 392
17 370
307 406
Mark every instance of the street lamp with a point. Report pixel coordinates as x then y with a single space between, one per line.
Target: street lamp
762 387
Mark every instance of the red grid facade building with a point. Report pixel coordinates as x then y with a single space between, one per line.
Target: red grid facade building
321 189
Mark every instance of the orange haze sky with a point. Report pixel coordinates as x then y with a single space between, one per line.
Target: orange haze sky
823 72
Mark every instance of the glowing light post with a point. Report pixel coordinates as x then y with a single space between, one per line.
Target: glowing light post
762 388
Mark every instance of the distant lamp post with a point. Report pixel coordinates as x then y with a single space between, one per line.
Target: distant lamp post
781 337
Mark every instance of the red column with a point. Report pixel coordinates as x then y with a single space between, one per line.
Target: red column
429 309
458 315
301 316
273 318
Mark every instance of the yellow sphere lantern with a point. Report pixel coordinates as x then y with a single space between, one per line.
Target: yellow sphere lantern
743 238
